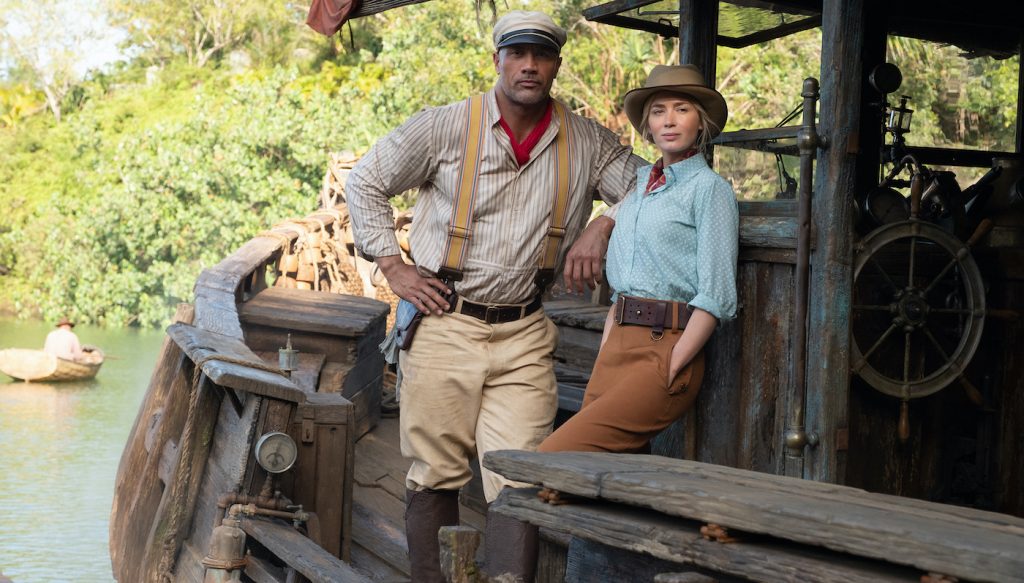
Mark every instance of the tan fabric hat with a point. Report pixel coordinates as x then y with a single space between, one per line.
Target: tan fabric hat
680 79
65 322
520 27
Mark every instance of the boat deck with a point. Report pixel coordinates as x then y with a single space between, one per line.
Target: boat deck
379 548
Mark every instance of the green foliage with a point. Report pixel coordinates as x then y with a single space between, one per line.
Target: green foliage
123 243
165 165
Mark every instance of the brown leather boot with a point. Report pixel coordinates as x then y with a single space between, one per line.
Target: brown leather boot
426 511
510 548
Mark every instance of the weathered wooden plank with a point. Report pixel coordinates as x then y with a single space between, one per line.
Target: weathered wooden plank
224 472
717 406
929 535
768 208
577 347
313 311
767 255
262 571
576 312
831 275
137 486
551 557
216 312
174 516
764 379
376 533
680 541
760 231
588 560
300 553
321 428
199 344
583 471
683 578
366 408
372 566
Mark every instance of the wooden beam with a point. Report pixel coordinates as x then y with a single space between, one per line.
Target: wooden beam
300 553
961 542
831 277
241 370
698 36
679 541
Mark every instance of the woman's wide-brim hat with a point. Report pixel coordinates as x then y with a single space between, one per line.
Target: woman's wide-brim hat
677 79
65 322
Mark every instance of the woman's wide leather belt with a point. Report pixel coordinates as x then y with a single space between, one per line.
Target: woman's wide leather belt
658 314
497 314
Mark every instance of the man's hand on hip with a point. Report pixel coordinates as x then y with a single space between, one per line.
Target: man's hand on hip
426 293
583 262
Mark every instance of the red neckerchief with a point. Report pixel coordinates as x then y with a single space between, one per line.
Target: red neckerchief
522 151
657 178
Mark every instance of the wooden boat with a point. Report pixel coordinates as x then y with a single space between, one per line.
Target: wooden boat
785 395
36 365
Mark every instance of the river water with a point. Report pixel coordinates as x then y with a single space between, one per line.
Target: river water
60 444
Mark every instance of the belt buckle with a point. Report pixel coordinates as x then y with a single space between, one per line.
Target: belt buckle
488 318
620 308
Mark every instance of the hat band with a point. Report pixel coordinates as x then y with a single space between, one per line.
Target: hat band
508 36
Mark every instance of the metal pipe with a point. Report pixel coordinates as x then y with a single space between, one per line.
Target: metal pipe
796 436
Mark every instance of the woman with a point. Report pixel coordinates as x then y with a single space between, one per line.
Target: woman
672 264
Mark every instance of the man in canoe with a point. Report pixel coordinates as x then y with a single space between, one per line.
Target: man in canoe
62 342
506 183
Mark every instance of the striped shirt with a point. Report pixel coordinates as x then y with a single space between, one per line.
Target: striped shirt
513 202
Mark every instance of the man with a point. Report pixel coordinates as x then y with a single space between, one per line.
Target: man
62 342
479 376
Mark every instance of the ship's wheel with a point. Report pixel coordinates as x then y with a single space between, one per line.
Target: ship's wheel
919 309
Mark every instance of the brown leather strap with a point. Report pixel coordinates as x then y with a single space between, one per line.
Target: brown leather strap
658 314
498 314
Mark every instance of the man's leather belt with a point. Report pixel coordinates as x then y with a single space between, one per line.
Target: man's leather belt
658 314
498 314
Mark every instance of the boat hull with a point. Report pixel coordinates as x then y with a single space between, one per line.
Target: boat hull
35 365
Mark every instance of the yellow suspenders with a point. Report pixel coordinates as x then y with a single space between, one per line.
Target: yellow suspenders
459 229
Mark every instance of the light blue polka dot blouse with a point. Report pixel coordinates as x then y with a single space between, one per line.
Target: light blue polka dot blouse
680 241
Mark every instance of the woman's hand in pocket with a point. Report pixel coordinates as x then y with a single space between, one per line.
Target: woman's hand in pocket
698 330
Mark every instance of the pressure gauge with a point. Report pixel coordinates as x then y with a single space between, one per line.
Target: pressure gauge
276 452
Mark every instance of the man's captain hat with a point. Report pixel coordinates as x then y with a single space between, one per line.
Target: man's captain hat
520 27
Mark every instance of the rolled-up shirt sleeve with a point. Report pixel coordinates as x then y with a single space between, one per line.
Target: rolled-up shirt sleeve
402 160
717 251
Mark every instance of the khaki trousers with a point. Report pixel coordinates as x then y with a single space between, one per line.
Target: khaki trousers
469 387
629 398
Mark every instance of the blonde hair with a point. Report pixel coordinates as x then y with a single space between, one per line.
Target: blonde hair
708 127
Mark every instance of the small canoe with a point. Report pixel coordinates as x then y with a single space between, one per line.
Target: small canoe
36 365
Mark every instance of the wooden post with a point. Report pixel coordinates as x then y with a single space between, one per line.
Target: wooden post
698 36
828 329
1020 97
458 547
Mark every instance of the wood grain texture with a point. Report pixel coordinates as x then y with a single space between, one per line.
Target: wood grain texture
831 275
138 486
679 542
300 553
199 344
312 311
962 542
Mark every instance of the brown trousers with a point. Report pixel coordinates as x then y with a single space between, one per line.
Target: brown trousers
629 398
